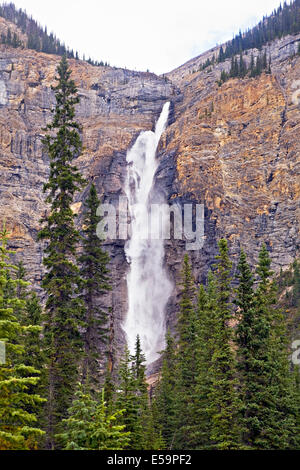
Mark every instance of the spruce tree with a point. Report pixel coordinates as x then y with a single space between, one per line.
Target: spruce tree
18 396
275 413
206 327
77 426
94 272
246 341
64 309
126 398
107 432
267 391
186 364
224 404
132 396
90 427
165 402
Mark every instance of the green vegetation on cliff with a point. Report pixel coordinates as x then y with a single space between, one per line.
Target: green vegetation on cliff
38 37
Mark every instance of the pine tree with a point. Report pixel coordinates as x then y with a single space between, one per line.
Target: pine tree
267 390
106 433
61 282
224 405
94 272
28 312
186 364
221 57
246 341
125 398
90 427
18 426
274 396
132 396
165 398
143 415
77 426
206 326
144 436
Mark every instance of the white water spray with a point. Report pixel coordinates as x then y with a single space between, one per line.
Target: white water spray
148 286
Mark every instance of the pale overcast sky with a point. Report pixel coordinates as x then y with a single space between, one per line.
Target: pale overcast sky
158 35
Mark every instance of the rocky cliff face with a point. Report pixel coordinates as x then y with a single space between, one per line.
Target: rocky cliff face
116 105
234 148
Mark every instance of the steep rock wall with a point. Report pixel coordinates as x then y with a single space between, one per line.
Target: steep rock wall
234 148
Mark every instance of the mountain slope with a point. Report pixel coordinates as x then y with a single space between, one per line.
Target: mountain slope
233 147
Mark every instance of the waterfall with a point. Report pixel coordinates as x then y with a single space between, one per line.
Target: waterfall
147 283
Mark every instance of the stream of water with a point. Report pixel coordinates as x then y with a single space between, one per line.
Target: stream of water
148 285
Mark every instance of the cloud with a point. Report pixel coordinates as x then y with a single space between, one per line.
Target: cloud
158 35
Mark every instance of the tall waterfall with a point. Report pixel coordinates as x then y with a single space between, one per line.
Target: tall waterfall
147 282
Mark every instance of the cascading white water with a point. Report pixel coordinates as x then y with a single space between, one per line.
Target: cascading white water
148 286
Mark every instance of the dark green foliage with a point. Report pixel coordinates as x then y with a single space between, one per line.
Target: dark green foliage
239 68
132 397
62 281
38 37
206 325
165 398
94 272
208 63
267 390
89 426
233 388
283 21
186 361
295 298
187 310
125 398
29 314
19 398
10 39
221 57
224 404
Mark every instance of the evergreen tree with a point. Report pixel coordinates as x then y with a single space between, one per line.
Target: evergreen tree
206 326
138 369
186 364
106 433
61 282
246 340
144 436
296 285
221 57
94 272
77 426
224 404
132 396
267 390
18 426
90 427
275 394
165 400
126 399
